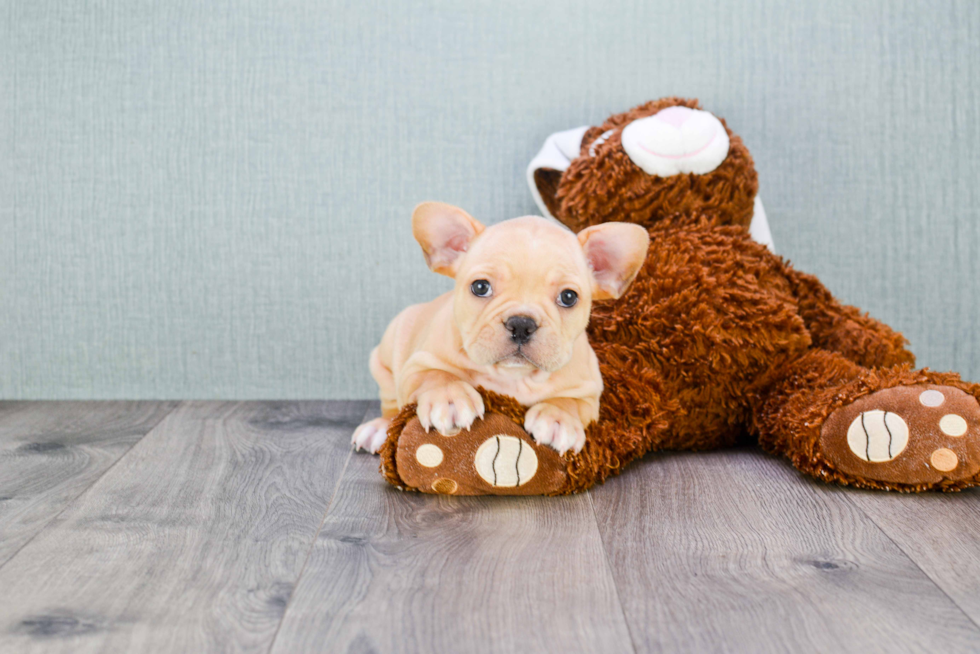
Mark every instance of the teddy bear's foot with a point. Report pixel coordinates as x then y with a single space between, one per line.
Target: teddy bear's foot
914 437
494 457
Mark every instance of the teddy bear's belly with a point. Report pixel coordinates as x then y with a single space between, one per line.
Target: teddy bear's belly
709 329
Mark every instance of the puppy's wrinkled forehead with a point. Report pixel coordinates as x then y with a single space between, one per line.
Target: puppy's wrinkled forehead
529 246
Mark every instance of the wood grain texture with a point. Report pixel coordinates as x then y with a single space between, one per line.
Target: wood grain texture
941 533
405 572
203 536
735 551
191 543
51 452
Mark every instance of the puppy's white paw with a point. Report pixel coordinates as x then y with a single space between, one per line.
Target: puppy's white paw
449 408
552 426
371 435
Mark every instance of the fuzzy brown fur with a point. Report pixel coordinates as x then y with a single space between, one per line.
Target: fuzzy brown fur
718 339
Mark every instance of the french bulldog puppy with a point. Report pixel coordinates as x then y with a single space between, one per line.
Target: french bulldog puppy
514 324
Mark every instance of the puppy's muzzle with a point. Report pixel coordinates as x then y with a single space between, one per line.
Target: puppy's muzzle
521 328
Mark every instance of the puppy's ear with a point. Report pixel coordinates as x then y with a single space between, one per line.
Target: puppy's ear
445 233
615 252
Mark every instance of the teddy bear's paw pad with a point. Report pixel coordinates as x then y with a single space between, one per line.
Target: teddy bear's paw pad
503 461
494 457
922 434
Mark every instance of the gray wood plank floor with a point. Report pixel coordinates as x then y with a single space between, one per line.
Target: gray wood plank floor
405 572
250 526
736 551
50 453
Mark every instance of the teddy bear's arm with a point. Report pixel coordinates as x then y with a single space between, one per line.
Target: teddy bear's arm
845 329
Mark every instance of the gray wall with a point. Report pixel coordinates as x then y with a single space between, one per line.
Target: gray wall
212 199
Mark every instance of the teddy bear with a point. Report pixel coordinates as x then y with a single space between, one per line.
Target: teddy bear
717 341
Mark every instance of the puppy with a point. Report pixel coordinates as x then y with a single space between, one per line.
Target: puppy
515 324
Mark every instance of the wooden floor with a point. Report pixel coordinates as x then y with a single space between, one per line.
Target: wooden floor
207 526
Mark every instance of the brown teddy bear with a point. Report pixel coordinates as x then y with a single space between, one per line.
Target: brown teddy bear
718 339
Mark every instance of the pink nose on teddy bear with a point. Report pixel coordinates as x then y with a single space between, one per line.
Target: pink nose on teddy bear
675 116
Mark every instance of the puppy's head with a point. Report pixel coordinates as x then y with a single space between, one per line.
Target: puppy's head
524 287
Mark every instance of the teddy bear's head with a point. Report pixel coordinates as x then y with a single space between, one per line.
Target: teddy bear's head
657 160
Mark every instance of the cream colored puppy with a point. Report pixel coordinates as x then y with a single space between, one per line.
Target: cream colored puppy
514 324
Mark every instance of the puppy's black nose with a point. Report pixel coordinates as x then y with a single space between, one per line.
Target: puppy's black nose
521 328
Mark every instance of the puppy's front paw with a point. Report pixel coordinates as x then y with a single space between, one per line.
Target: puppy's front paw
552 426
449 408
371 435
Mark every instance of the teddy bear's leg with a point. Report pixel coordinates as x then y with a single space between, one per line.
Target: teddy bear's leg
844 329
887 428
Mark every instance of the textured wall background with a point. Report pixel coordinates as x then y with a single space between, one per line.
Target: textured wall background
211 199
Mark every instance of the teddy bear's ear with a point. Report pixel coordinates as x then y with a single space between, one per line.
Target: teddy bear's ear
545 170
545 183
445 233
615 252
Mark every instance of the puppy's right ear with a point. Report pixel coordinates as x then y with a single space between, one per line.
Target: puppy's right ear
445 233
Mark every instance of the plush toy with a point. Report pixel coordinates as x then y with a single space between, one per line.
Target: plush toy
718 339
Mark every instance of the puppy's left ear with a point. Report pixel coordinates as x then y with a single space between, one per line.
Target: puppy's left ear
445 233
615 252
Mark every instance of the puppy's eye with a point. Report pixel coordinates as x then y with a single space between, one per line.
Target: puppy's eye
481 288
567 298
